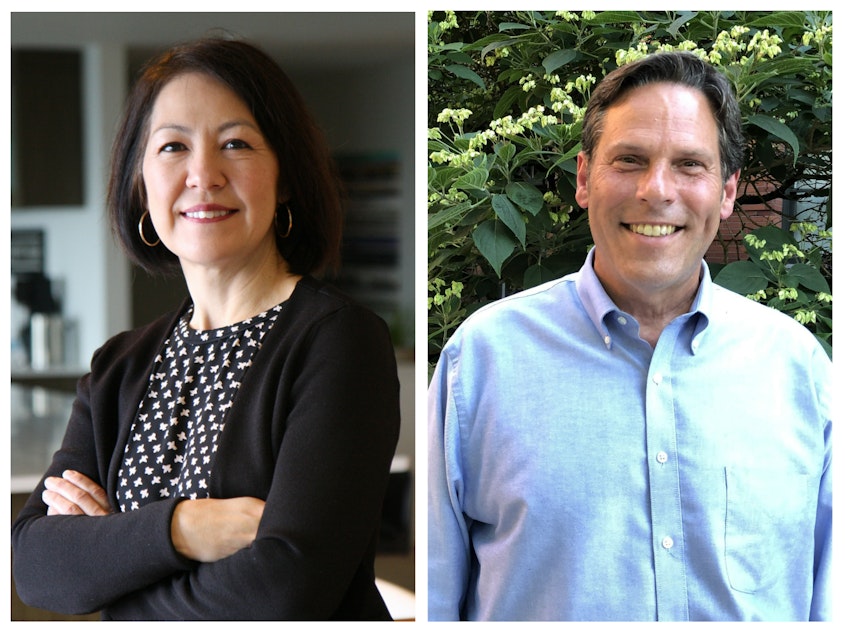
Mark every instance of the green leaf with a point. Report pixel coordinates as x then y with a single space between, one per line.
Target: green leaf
457 57
448 215
526 196
495 242
778 129
742 277
557 59
509 215
566 156
799 94
510 26
536 274
775 237
505 151
615 17
442 176
493 45
507 100
476 178
674 28
807 276
453 46
466 73
793 19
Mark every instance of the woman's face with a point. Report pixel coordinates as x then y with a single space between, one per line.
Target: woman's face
211 178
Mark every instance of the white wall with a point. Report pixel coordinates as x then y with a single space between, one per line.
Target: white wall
79 252
370 109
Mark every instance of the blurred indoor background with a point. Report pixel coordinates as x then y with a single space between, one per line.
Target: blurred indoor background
71 286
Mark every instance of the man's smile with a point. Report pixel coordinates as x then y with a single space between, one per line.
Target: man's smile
652 230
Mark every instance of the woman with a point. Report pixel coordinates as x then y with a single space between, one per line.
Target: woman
229 460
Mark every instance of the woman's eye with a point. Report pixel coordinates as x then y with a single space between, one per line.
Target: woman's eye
236 144
173 146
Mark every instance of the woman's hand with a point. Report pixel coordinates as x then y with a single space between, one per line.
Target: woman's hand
210 529
74 494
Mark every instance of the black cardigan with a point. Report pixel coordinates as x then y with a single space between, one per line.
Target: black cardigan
312 432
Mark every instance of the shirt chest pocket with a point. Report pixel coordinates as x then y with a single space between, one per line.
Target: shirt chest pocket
769 523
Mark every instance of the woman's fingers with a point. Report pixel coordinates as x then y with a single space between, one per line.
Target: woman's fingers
74 494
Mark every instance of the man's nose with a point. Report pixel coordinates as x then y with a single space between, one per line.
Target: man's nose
657 184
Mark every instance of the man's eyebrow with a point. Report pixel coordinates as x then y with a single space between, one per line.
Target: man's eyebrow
627 147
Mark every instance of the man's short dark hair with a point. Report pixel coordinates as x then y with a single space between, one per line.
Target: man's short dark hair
678 67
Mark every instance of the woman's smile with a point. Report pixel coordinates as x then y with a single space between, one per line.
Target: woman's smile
208 213
210 176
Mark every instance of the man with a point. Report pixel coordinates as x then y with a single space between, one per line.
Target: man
632 442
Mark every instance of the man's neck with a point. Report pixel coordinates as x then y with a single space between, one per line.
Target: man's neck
653 310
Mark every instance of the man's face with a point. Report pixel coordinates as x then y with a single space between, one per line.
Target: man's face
654 193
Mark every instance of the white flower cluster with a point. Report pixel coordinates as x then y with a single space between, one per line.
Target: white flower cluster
562 97
507 126
729 47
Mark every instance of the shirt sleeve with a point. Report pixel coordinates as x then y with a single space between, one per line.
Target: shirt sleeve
448 532
821 608
822 589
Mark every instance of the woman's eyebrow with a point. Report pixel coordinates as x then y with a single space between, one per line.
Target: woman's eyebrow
223 127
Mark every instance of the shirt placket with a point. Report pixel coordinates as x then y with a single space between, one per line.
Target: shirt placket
664 485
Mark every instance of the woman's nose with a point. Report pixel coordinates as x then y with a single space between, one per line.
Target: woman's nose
205 170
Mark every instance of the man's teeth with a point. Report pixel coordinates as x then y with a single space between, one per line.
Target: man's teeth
653 230
203 215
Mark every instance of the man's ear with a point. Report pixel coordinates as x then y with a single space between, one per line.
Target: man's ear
729 195
582 176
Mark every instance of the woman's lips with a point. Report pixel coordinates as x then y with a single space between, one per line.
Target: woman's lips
207 212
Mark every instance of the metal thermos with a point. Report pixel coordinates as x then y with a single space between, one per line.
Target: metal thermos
47 339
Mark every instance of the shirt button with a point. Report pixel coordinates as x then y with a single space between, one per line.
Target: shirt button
662 457
667 543
621 319
657 378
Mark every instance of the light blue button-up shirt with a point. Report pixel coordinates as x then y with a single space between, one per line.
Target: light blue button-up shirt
578 474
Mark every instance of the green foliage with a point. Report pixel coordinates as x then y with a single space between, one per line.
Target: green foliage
785 274
507 92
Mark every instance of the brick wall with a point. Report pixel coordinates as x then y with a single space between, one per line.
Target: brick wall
728 245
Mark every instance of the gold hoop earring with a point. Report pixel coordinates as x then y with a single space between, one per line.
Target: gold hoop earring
290 223
141 231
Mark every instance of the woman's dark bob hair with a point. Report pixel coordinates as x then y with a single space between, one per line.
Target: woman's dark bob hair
306 170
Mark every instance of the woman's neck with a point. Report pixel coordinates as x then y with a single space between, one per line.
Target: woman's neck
226 296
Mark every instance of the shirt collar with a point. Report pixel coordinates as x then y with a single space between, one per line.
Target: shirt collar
598 304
